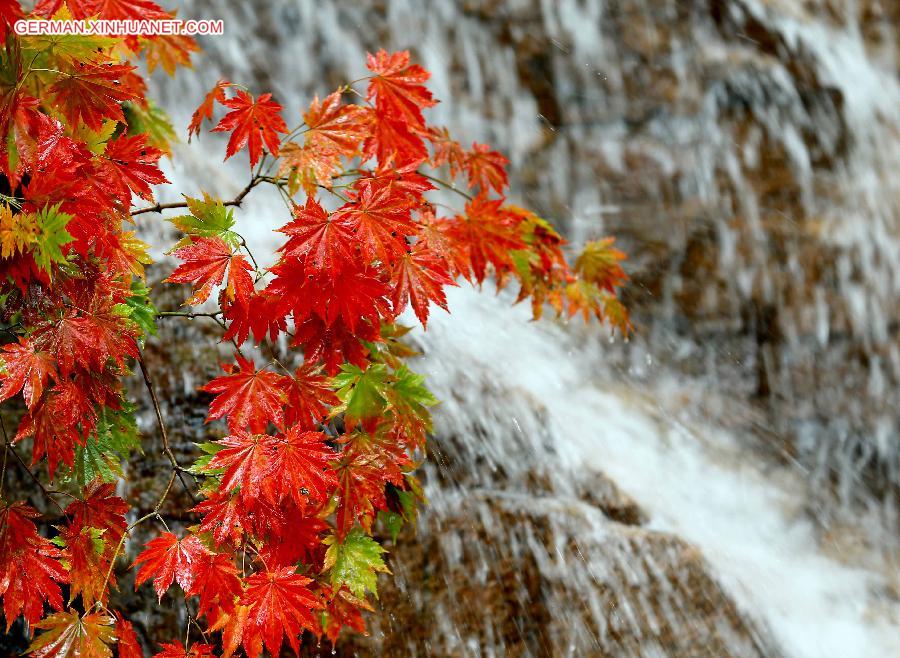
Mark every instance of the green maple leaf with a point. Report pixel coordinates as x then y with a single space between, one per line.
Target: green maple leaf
139 309
200 466
355 562
96 140
522 260
72 48
363 392
209 218
393 523
113 440
409 394
53 235
153 122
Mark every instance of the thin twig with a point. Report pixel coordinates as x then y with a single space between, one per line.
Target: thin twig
186 314
167 449
449 186
149 515
236 201
11 448
249 253
3 470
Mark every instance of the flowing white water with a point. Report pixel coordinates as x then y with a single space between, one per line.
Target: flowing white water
695 482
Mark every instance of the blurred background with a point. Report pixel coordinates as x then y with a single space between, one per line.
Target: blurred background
724 483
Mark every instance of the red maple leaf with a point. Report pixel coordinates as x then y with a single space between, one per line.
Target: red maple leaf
247 460
351 295
10 12
29 566
240 287
438 234
129 646
24 368
87 338
62 420
334 127
205 263
168 51
392 141
363 470
205 110
100 508
295 537
92 93
486 168
87 567
321 242
168 558
223 516
105 9
380 219
309 396
446 150
300 466
334 344
216 583
129 164
252 124
398 87
488 232
402 180
177 650
279 604
248 397
259 316
343 609
419 278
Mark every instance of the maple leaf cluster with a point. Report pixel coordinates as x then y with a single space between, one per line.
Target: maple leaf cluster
318 459
79 143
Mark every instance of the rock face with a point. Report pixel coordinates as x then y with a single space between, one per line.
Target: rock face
505 575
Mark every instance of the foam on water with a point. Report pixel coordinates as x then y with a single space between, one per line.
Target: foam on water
696 482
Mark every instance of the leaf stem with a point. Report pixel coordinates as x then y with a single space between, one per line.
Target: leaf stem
448 185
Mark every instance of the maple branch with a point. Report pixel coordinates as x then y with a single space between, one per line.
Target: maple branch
448 185
236 201
185 314
279 184
249 253
167 449
3 471
337 194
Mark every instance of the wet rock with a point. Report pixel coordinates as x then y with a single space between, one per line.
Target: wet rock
493 574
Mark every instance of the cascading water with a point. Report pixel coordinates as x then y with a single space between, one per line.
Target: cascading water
692 492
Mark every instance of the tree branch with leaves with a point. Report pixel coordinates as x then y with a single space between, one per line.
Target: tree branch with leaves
319 459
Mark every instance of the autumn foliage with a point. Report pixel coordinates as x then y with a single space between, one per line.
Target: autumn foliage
317 460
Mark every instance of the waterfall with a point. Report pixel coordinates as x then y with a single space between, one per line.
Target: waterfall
740 453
